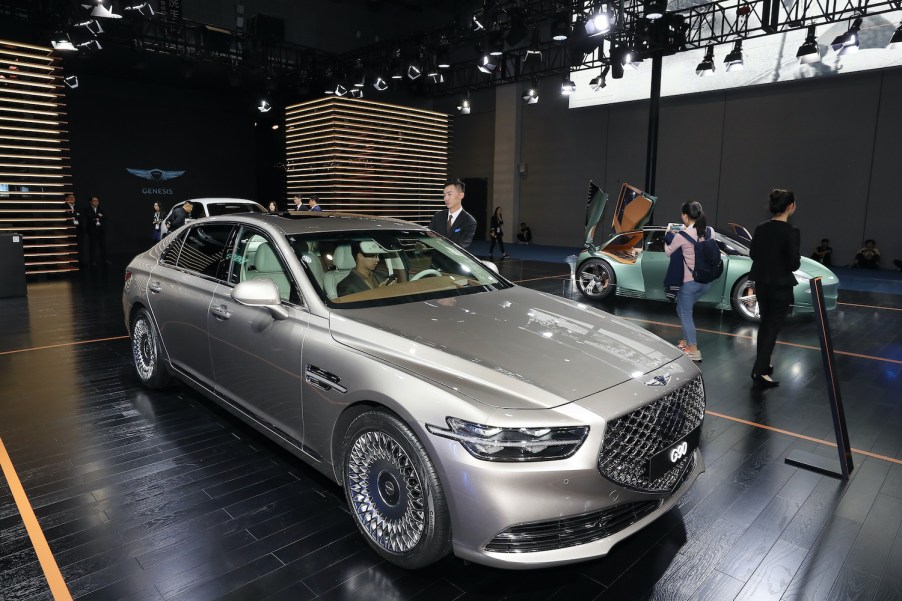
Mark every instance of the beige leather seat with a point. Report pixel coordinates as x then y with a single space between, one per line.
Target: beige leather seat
266 265
314 263
344 262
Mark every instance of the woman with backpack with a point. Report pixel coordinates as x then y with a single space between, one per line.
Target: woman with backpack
695 229
775 255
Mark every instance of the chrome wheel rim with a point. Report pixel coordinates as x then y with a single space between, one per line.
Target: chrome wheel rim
143 349
594 278
748 300
386 492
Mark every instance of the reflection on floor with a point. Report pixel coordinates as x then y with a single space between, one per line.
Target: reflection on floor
159 495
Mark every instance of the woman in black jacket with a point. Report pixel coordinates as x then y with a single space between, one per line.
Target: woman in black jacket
496 234
775 255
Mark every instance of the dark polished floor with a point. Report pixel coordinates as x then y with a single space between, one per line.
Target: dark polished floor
150 495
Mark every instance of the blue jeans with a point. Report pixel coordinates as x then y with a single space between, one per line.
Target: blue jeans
689 293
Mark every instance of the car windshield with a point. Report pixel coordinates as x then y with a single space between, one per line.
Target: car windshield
376 268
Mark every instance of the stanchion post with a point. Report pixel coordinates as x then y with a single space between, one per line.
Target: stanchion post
809 460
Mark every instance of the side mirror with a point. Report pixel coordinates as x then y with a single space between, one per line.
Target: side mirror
491 266
262 292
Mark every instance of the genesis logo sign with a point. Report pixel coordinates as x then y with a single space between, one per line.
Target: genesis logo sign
155 175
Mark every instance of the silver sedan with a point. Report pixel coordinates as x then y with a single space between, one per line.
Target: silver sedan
458 412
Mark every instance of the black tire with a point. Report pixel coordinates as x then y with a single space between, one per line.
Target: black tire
147 352
744 301
408 525
595 279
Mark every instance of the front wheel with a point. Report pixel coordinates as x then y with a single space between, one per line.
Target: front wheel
147 351
595 279
744 300
394 492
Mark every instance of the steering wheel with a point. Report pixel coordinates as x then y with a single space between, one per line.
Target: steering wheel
425 272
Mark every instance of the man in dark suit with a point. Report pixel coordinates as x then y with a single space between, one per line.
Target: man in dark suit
95 228
454 223
74 220
179 216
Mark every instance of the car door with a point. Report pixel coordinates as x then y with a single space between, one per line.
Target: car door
257 359
654 262
180 290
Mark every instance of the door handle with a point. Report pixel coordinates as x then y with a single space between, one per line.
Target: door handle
221 312
155 287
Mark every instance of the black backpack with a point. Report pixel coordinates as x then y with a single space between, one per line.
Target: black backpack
708 264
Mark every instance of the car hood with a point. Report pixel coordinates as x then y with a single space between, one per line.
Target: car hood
513 348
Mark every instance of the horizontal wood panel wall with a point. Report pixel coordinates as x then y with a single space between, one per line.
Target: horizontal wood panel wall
34 157
368 157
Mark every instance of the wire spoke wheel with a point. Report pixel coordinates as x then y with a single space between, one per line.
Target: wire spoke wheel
144 350
386 492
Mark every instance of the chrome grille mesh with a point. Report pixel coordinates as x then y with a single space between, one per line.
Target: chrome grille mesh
570 531
631 440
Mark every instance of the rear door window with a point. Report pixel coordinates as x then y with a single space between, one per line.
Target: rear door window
204 250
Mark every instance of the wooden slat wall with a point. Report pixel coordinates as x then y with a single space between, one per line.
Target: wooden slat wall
34 157
368 157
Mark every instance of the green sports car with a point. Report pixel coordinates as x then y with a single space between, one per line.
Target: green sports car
633 263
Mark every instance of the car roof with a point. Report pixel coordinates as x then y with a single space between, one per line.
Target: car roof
216 199
307 222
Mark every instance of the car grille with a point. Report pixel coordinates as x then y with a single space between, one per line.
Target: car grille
631 440
570 531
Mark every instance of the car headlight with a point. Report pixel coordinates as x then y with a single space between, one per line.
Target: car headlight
492 443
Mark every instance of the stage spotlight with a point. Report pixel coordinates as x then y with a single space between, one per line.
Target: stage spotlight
733 61
487 64
706 67
599 83
600 22
464 106
413 71
628 57
91 45
533 55
264 106
62 43
102 11
531 95
275 126
144 9
356 92
396 66
567 86
655 9
809 52
71 81
895 42
437 78
560 27
380 84
92 26
847 43
477 21
442 57
496 44
340 90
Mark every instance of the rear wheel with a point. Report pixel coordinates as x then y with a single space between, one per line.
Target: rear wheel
147 351
595 279
744 300
394 492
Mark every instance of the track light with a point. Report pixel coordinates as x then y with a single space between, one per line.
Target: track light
102 11
144 9
531 95
629 58
443 57
356 92
600 21
655 9
340 90
895 42
809 52
464 106
847 43
91 45
599 83
62 43
380 84
733 61
533 56
487 64
264 106
437 78
560 27
706 67
567 86
413 71
478 21
396 68
92 26
71 81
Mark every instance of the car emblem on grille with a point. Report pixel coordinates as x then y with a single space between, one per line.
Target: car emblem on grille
677 453
659 380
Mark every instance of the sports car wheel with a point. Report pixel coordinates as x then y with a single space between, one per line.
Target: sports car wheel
744 300
595 279
394 492
146 351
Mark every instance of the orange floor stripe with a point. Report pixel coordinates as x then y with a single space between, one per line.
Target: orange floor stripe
62 344
802 436
871 306
795 344
38 541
